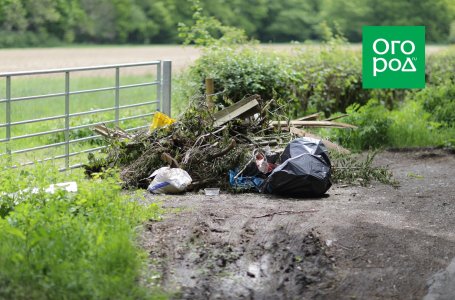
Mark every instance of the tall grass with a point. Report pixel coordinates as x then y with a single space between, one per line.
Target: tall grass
408 125
69 245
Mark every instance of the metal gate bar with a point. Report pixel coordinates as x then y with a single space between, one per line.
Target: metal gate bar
162 101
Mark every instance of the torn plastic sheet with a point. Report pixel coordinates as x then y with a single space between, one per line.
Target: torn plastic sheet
244 182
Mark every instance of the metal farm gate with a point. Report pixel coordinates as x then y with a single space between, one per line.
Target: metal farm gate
59 127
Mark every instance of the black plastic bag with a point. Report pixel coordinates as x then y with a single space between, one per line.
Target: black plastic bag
305 170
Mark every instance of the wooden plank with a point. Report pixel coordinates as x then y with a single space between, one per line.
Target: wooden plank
244 107
209 91
312 124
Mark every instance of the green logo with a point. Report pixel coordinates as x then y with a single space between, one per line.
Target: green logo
393 57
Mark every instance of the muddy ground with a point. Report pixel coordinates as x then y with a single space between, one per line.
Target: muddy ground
375 242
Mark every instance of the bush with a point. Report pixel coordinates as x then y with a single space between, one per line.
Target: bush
409 125
373 121
238 72
439 102
68 245
439 68
328 79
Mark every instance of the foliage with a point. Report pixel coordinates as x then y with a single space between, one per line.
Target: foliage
373 124
355 168
238 72
412 127
209 31
350 16
325 78
409 125
68 245
439 68
328 79
452 33
439 102
291 20
46 22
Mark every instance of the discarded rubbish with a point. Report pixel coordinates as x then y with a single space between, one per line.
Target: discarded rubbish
263 165
70 186
212 191
244 108
169 181
244 140
304 171
246 183
160 120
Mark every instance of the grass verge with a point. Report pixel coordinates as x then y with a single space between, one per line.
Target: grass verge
69 245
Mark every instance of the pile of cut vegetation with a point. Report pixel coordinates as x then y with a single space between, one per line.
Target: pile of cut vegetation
205 143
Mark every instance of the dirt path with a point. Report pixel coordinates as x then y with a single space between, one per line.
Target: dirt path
373 242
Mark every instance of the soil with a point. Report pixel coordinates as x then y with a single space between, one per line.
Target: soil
28 59
375 242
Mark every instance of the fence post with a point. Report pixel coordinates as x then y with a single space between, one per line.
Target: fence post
67 120
166 87
209 91
117 96
159 85
8 115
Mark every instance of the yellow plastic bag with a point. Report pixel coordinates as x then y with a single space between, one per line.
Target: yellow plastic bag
160 120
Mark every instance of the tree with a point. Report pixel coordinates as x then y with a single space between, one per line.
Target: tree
351 15
291 20
13 16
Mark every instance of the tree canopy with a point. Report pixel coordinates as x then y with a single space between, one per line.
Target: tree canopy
46 22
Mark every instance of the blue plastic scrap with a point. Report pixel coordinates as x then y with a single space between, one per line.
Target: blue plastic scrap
244 182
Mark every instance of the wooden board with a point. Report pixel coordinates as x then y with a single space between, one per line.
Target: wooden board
244 108
313 124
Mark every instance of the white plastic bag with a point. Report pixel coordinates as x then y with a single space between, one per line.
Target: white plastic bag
169 181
